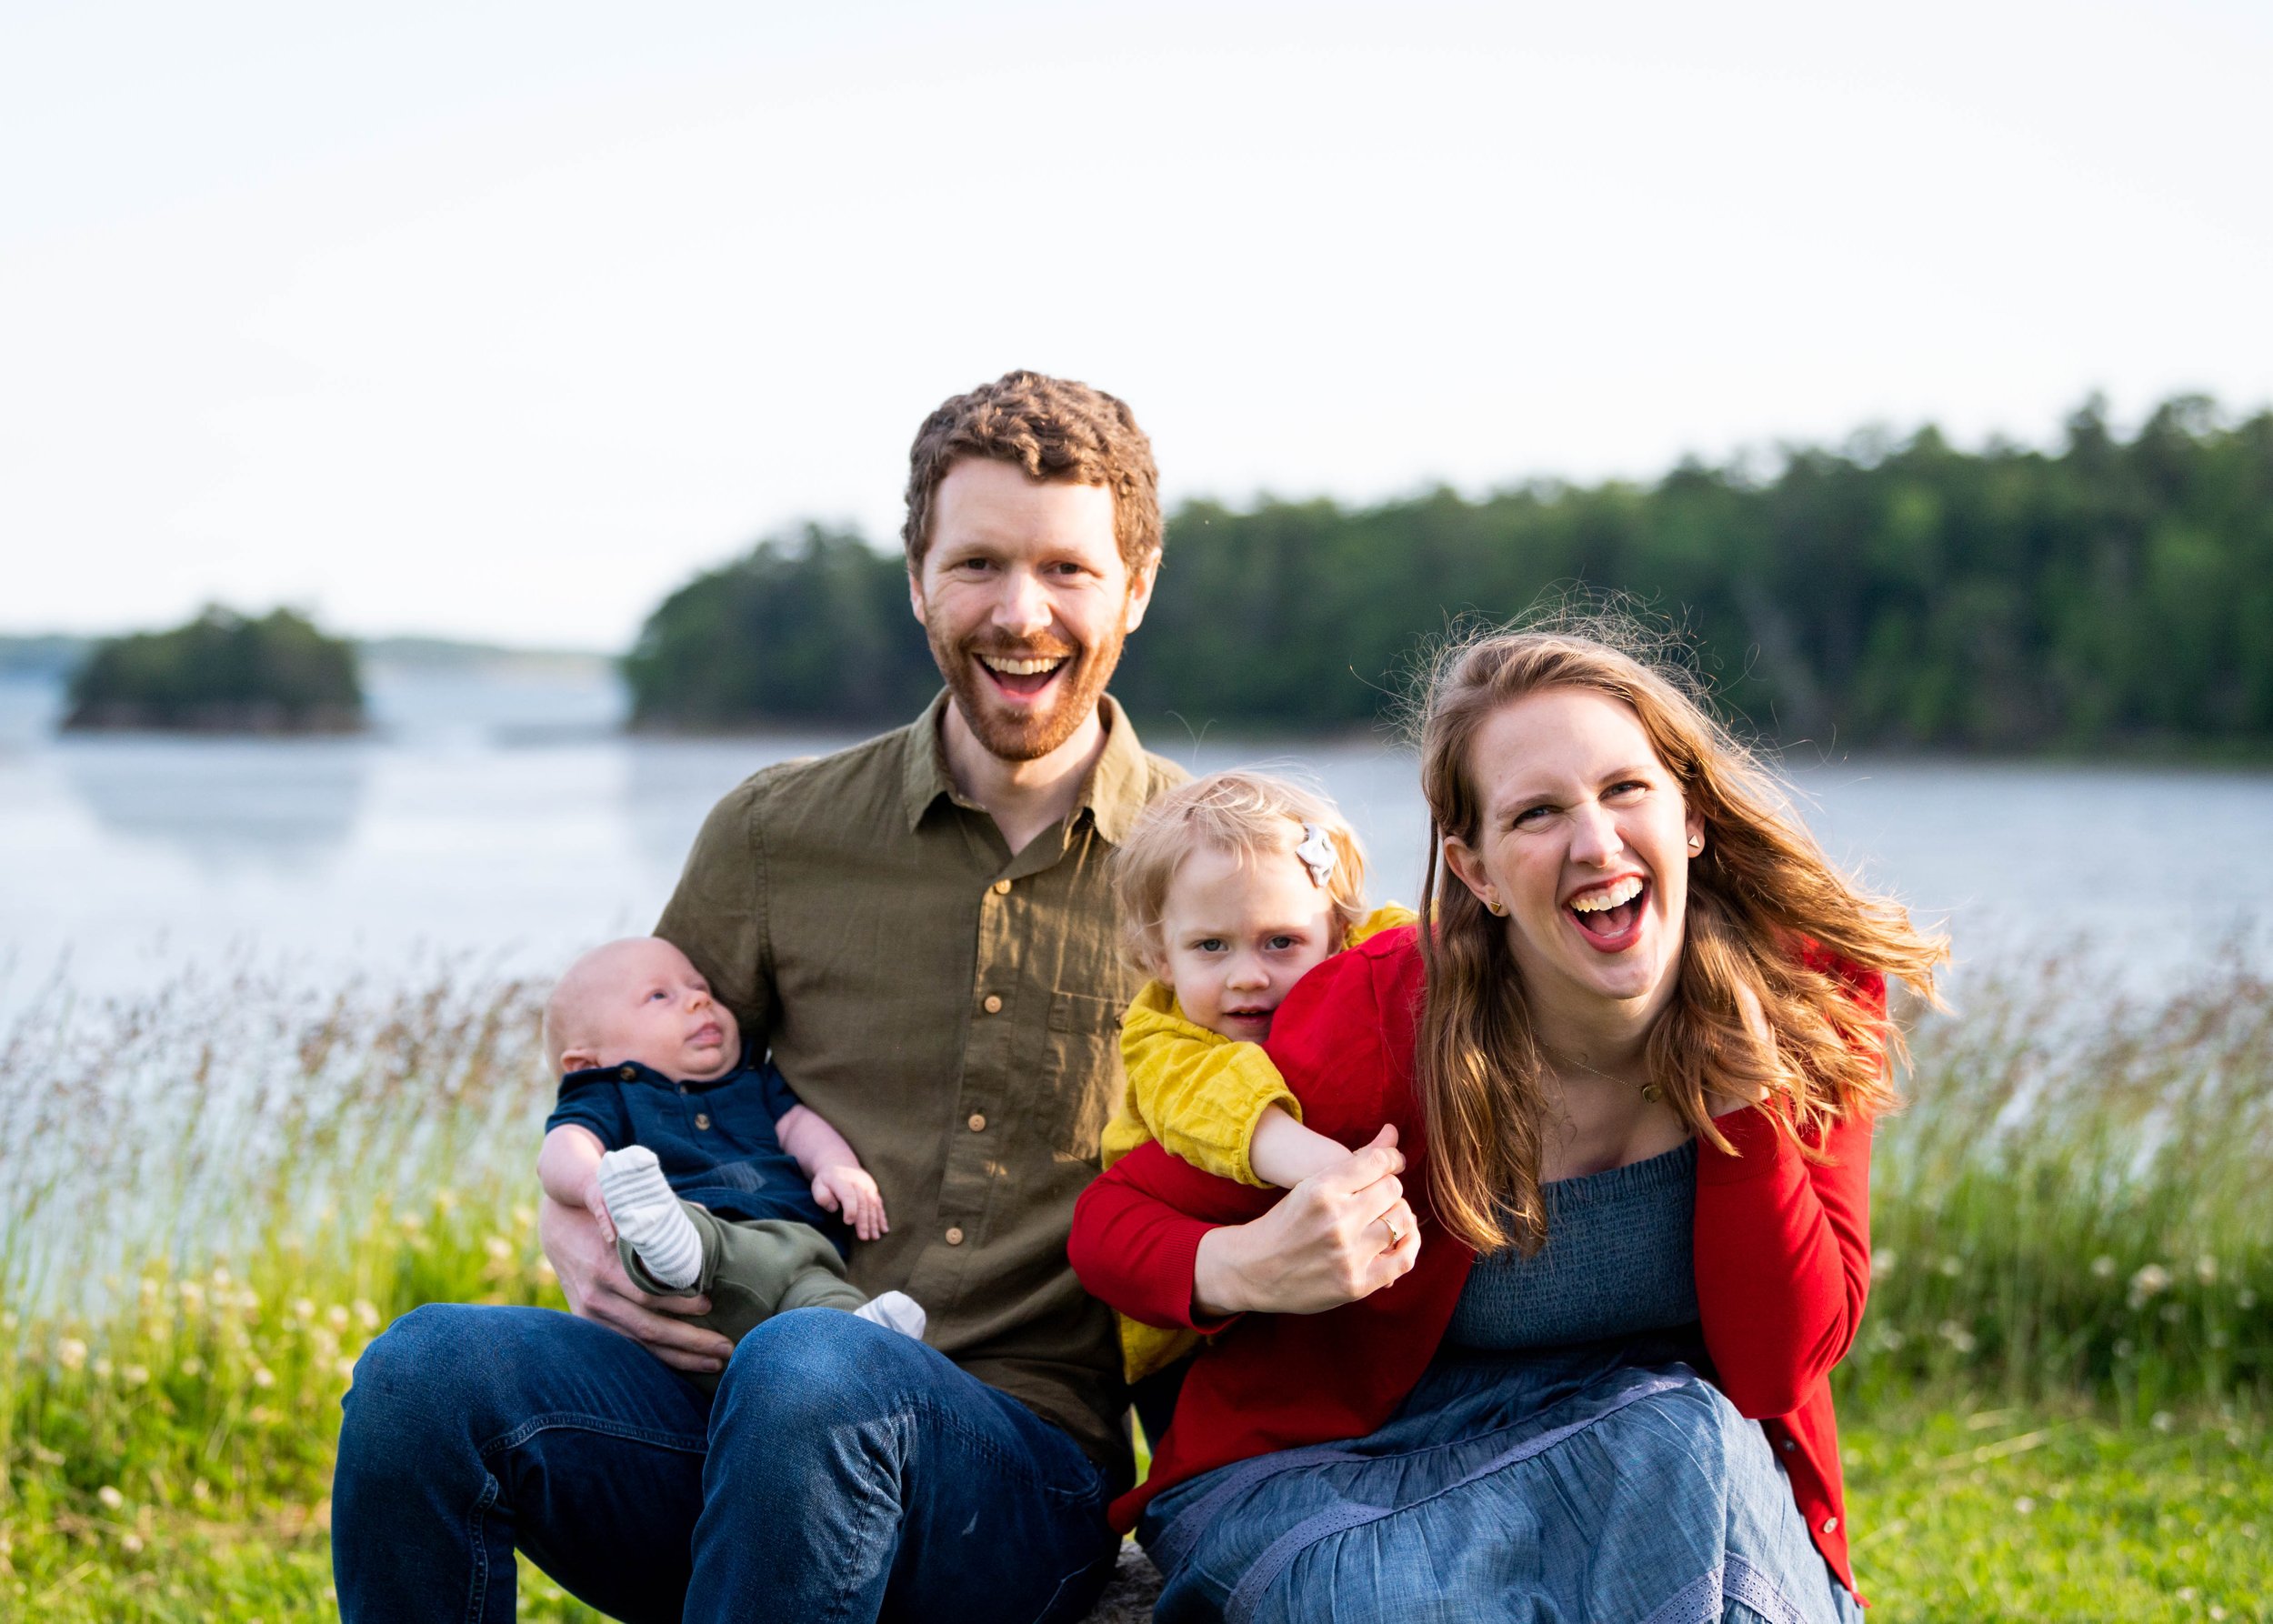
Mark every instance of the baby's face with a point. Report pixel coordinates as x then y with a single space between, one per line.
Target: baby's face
641 1000
1236 933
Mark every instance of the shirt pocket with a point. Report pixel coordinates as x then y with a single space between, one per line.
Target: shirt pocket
1081 1070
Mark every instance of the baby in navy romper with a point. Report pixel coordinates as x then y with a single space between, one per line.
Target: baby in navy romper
710 1175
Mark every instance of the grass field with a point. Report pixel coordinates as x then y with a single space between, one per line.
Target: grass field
2058 1408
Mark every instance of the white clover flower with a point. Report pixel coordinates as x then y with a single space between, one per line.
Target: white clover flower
71 1353
263 1377
132 1543
2123 1349
2173 1312
1882 1262
302 1309
346 1369
2024 1505
2103 1268
2162 1421
1959 1339
221 1274
336 1317
136 1376
367 1315
1951 1266
2245 1298
524 1216
110 1496
498 1247
2205 1270
192 1366
101 1370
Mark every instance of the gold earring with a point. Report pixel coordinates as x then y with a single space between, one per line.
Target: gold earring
1496 907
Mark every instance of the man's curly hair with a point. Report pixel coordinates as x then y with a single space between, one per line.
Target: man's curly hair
1054 428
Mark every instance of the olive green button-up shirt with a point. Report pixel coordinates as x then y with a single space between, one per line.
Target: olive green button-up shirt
951 1008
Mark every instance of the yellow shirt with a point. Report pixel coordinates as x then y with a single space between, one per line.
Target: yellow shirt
1200 1094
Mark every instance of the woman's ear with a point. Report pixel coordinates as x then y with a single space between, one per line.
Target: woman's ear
1468 867
1693 826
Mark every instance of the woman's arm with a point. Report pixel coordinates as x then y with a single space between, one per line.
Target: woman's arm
1166 1244
1783 1253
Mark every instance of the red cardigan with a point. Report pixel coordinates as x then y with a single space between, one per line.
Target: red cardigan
1782 1248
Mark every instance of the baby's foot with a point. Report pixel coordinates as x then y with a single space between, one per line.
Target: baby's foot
648 1215
894 1310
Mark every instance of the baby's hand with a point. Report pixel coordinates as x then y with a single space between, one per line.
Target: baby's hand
850 1190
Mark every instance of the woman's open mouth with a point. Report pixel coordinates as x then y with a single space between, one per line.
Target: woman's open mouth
1024 676
1609 916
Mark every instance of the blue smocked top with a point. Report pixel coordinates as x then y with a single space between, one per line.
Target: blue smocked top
1617 1263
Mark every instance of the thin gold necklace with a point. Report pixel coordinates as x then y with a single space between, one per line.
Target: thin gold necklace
1650 1091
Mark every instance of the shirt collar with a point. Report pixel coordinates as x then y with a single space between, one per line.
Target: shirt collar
1112 795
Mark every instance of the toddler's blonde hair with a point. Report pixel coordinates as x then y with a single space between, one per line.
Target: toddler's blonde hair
1246 814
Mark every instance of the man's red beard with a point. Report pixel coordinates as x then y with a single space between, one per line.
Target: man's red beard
1029 732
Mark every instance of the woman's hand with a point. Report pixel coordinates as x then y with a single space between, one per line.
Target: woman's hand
1339 1235
593 1279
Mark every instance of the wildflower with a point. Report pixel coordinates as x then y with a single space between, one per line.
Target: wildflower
2161 1420
201 1491
2173 1312
411 1223
1959 1339
220 1275
2243 1299
193 1298
111 1499
346 1368
445 1200
2188 1592
263 1377
192 1366
545 1268
71 1353
524 1216
1951 1268
132 1543
8 1321
498 1247
1882 1262
2205 1270
248 1300
367 1315
2024 1505
302 1309
148 1289
336 1318
2103 1268
2150 1281
2123 1349
134 1376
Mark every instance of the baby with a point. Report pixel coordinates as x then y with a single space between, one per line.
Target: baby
707 1173
1230 888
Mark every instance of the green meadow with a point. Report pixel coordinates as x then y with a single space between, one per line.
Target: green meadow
216 1196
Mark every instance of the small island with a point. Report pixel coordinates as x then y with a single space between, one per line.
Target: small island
222 673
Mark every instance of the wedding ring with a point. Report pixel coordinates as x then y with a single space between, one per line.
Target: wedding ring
1396 1234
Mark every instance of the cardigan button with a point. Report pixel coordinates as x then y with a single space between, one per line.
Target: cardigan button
1830 1525
1791 1444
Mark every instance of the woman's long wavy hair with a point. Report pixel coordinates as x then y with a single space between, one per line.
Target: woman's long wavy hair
1759 891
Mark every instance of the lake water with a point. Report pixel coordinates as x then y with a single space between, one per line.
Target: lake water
502 820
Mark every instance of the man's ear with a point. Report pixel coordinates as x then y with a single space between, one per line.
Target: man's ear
1140 585
915 592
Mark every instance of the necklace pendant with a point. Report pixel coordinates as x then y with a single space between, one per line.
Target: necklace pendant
1652 1093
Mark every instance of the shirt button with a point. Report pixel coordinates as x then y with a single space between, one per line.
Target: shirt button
701 1119
1830 1525
630 1072
992 1006
978 1122
1002 887
954 1236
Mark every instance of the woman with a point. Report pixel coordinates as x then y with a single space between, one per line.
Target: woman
1641 1039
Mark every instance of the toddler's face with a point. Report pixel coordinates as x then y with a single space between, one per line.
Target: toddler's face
1238 933
642 1000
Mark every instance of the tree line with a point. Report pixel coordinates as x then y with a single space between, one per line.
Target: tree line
223 672
2107 593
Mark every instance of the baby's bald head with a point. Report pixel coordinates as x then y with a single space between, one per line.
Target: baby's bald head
640 999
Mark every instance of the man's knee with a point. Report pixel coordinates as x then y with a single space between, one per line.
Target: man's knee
435 1370
824 1367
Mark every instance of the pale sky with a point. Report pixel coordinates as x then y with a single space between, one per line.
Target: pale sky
501 320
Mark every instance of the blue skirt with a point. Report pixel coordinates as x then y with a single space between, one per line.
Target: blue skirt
1602 1483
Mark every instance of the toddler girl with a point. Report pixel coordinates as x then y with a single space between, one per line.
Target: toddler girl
1230 887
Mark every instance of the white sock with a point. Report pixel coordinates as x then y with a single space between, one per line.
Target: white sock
894 1310
648 1214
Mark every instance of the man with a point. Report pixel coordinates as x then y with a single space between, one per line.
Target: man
919 928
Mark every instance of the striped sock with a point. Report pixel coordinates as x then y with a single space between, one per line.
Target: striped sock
648 1215
894 1310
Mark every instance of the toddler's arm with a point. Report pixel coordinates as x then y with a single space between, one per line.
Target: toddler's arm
1284 1152
568 1168
1204 1097
840 1184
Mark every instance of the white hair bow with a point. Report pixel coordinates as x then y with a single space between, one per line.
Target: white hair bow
1317 853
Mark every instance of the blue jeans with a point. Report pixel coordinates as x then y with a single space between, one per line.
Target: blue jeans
843 1471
